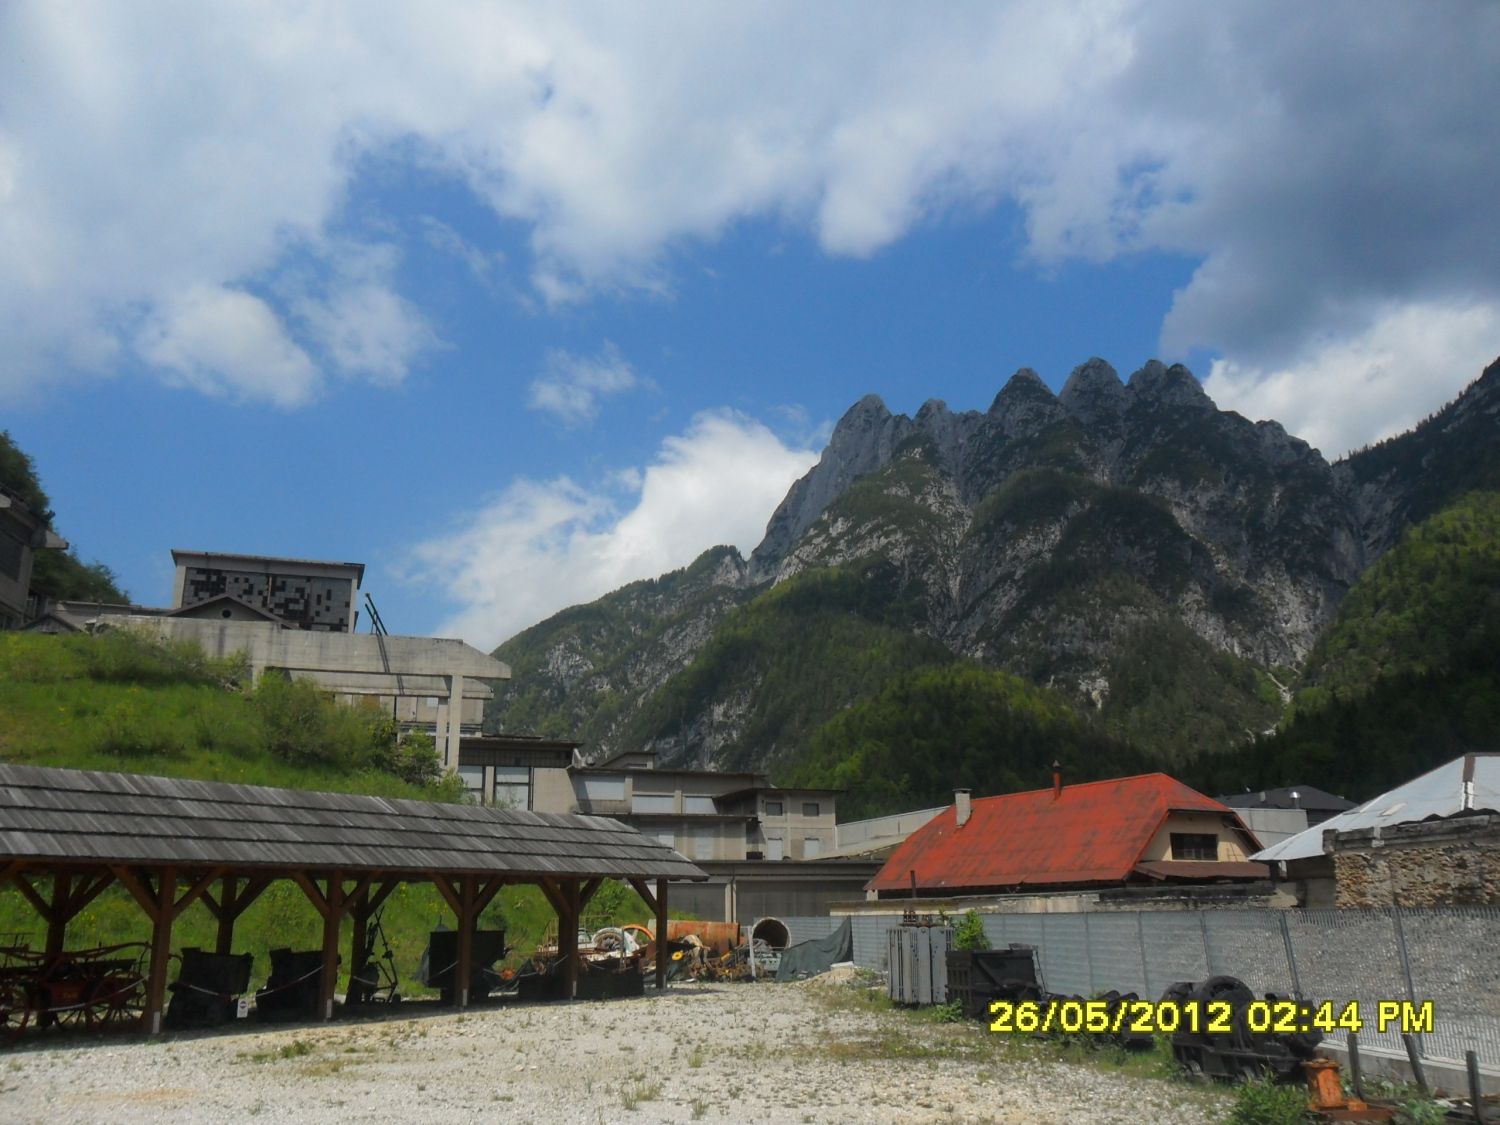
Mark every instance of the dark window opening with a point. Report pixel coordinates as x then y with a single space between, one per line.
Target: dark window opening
1194 845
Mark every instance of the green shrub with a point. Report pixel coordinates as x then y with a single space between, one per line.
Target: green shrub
125 732
1264 1102
969 932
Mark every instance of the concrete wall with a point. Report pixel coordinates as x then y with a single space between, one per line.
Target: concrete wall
881 831
1439 863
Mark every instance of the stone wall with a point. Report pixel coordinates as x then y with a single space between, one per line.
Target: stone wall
1452 862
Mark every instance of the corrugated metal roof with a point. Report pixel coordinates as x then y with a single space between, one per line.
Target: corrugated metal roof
1437 793
1091 833
133 818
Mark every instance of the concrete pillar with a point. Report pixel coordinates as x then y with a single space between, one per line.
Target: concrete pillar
451 723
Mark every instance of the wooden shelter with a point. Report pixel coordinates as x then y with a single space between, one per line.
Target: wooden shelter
171 842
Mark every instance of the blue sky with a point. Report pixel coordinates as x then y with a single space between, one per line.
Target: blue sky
518 305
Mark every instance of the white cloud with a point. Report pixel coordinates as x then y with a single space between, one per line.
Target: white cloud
224 341
1355 389
1321 178
544 545
572 386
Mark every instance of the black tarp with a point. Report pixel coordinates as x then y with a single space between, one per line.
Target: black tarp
809 958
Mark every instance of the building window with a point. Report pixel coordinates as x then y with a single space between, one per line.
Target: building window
775 808
667 838
1194 845
773 847
812 847
513 787
653 802
703 845
809 808
698 806
473 779
599 788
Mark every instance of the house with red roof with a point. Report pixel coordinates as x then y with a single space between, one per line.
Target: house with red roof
1144 830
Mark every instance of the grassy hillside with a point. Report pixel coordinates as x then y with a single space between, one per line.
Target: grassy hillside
116 702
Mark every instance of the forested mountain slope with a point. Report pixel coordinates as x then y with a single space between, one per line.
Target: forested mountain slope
1163 568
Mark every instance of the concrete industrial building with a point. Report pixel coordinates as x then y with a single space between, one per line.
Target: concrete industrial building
298 616
22 534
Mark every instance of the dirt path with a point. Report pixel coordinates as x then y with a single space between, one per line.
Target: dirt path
772 1053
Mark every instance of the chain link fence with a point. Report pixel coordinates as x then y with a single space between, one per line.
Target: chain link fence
1446 956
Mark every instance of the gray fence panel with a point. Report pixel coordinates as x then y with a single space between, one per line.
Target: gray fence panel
1453 957
1174 947
1248 944
1115 948
871 945
1448 955
1066 950
1345 955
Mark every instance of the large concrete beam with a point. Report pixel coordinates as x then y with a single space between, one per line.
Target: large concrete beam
269 646
391 684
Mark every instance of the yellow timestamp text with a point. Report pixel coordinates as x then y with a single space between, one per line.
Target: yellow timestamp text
1212 1017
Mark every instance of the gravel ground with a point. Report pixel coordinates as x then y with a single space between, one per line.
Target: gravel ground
773 1053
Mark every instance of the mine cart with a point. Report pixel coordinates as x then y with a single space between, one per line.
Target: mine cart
440 962
977 977
208 987
96 988
295 983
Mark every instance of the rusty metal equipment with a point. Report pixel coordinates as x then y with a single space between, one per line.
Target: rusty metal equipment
293 988
97 988
976 977
208 987
1239 1052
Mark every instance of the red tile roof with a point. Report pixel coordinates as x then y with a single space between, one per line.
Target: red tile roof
1092 833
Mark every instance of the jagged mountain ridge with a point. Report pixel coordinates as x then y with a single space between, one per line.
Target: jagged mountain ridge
1058 536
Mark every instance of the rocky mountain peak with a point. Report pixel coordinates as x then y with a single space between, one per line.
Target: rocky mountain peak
1093 392
1025 404
1158 384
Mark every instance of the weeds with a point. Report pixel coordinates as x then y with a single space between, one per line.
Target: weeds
640 1091
1264 1102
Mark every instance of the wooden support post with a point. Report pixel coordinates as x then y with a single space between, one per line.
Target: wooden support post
567 938
161 949
661 935
463 972
224 941
328 981
162 907
57 913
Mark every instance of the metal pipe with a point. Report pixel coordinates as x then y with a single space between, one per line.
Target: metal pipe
1356 1075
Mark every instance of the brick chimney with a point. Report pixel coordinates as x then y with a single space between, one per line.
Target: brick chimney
1056 780
961 806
